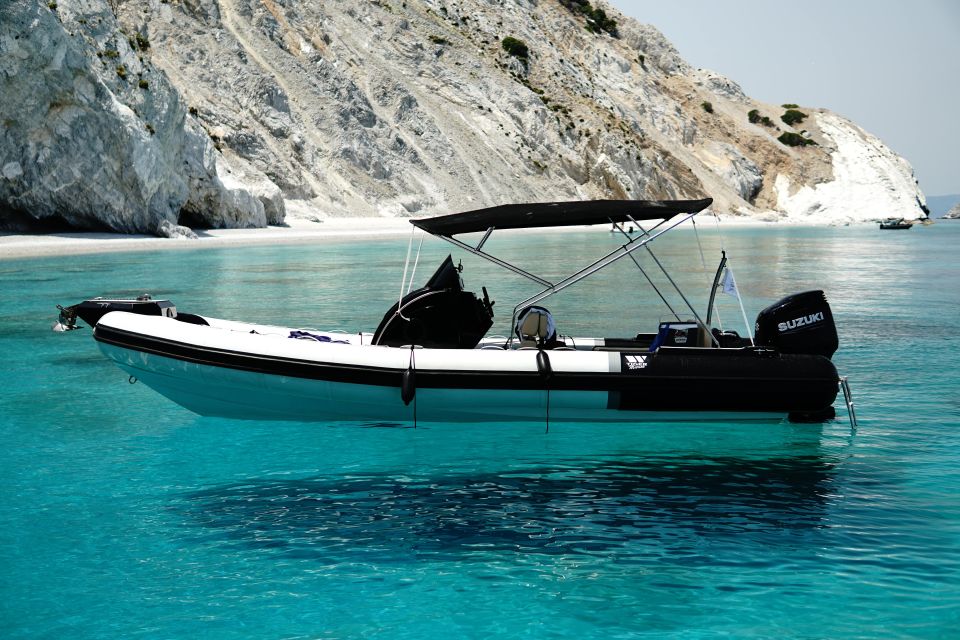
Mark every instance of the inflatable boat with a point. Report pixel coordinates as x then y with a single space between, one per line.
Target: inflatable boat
430 359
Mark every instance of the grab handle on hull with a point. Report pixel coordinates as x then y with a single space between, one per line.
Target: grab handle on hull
408 385
543 365
545 370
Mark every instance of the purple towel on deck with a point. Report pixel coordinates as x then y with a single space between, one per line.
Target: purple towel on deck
306 335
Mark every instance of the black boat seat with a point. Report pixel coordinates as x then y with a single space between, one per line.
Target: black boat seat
536 329
681 334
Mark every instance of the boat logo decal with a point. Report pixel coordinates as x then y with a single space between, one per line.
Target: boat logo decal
799 322
635 362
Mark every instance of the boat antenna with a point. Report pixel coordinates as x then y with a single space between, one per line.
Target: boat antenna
703 261
716 220
667 274
416 261
403 280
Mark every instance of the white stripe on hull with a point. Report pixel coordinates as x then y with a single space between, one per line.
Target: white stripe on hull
236 337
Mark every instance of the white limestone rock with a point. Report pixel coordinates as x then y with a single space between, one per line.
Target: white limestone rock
735 169
870 182
167 229
657 51
93 134
719 84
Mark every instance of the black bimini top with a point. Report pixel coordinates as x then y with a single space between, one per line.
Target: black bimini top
557 214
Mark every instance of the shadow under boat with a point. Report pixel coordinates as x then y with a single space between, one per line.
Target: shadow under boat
616 505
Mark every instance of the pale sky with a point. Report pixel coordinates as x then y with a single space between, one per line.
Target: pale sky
893 67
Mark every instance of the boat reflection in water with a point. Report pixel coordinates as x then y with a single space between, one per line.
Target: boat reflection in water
667 501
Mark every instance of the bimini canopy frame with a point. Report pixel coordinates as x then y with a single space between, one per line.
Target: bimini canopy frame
671 214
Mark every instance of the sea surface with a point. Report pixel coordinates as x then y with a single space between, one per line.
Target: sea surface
124 516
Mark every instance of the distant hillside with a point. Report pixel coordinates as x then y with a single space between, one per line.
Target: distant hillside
136 116
939 205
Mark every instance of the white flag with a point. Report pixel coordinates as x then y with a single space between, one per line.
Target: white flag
729 285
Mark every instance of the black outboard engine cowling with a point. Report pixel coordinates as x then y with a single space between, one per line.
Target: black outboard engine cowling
90 311
439 315
800 323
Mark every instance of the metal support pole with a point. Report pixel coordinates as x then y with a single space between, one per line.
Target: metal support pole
696 316
605 261
498 261
649 280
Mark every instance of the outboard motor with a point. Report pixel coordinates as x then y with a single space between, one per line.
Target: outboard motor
440 314
800 323
90 311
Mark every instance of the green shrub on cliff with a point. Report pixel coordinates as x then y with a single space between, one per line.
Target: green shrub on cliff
597 19
516 48
795 140
755 118
792 117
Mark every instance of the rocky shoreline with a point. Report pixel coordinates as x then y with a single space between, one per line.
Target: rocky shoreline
295 230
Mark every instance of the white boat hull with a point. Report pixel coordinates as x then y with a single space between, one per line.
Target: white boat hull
216 391
224 370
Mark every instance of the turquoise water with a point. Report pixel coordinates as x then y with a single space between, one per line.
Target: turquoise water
125 516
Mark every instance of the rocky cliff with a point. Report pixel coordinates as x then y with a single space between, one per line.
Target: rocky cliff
396 107
95 136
